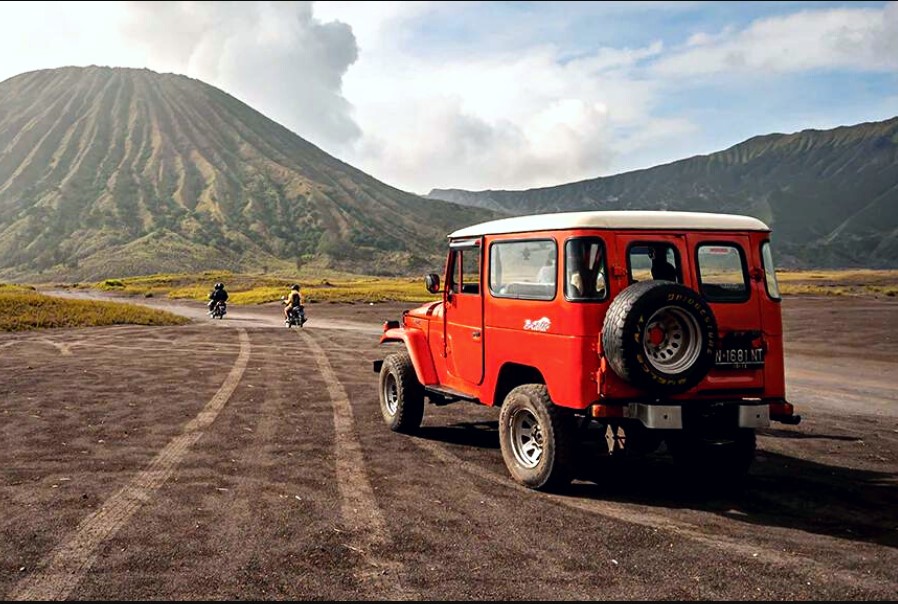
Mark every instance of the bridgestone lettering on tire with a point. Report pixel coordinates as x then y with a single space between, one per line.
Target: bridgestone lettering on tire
537 438
660 336
401 395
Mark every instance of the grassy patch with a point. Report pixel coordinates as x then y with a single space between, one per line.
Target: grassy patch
22 309
10 288
258 289
861 282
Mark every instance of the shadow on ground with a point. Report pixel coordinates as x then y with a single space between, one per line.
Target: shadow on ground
780 490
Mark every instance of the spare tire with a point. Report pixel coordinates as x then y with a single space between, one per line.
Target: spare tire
660 336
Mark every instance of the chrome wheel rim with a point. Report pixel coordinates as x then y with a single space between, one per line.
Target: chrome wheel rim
391 394
672 340
527 439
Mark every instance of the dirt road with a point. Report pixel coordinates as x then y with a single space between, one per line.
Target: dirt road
238 459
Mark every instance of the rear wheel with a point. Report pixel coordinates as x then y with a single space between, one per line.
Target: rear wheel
537 438
401 395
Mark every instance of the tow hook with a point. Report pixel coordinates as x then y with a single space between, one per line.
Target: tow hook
791 420
783 412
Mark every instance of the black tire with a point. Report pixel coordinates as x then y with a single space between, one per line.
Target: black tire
714 461
688 320
401 394
537 438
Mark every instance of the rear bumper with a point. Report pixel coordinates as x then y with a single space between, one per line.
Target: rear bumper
671 417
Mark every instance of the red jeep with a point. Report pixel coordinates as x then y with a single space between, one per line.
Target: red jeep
660 326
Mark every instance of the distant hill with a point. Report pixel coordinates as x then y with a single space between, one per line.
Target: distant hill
121 172
831 196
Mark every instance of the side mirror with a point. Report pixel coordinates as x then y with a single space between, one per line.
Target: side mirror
432 283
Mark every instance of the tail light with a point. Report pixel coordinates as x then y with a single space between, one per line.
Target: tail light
759 342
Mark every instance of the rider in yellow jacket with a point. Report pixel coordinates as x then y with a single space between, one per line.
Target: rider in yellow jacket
293 300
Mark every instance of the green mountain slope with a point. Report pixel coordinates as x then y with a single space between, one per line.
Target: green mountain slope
122 171
831 196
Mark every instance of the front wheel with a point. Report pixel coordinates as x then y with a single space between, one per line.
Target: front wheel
537 438
401 394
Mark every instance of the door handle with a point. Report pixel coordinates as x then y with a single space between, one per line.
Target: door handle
476 335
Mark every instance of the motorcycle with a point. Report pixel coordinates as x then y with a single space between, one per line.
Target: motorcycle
218 310
295 316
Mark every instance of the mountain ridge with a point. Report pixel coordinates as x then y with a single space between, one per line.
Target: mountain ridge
831 196
97 162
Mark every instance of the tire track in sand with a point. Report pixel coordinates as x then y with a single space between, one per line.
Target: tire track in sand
61 571
361 515
710 536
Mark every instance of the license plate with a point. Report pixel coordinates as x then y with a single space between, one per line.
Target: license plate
740 358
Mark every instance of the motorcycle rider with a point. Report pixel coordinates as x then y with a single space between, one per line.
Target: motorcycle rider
218 295
294 300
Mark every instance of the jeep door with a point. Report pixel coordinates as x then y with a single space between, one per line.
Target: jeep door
464 314
722 265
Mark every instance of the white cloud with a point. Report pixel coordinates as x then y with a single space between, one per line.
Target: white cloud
275 56
864 39
41 35
443 145
490 120
510 121
482 118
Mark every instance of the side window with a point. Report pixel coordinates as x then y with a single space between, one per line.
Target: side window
470 277
654 260
453 275
584 269
773 288
464 271
525 270
721 273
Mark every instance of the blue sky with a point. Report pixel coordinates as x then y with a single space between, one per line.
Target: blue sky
590 89
507 95
586 26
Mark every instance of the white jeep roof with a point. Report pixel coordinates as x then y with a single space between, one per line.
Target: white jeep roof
693 221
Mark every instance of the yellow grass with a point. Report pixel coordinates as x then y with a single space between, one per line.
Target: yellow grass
860 282
22 309
258 289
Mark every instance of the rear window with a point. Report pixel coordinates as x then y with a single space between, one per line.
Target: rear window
722 274
653 260
526 270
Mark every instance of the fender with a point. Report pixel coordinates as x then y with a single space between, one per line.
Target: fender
416 343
